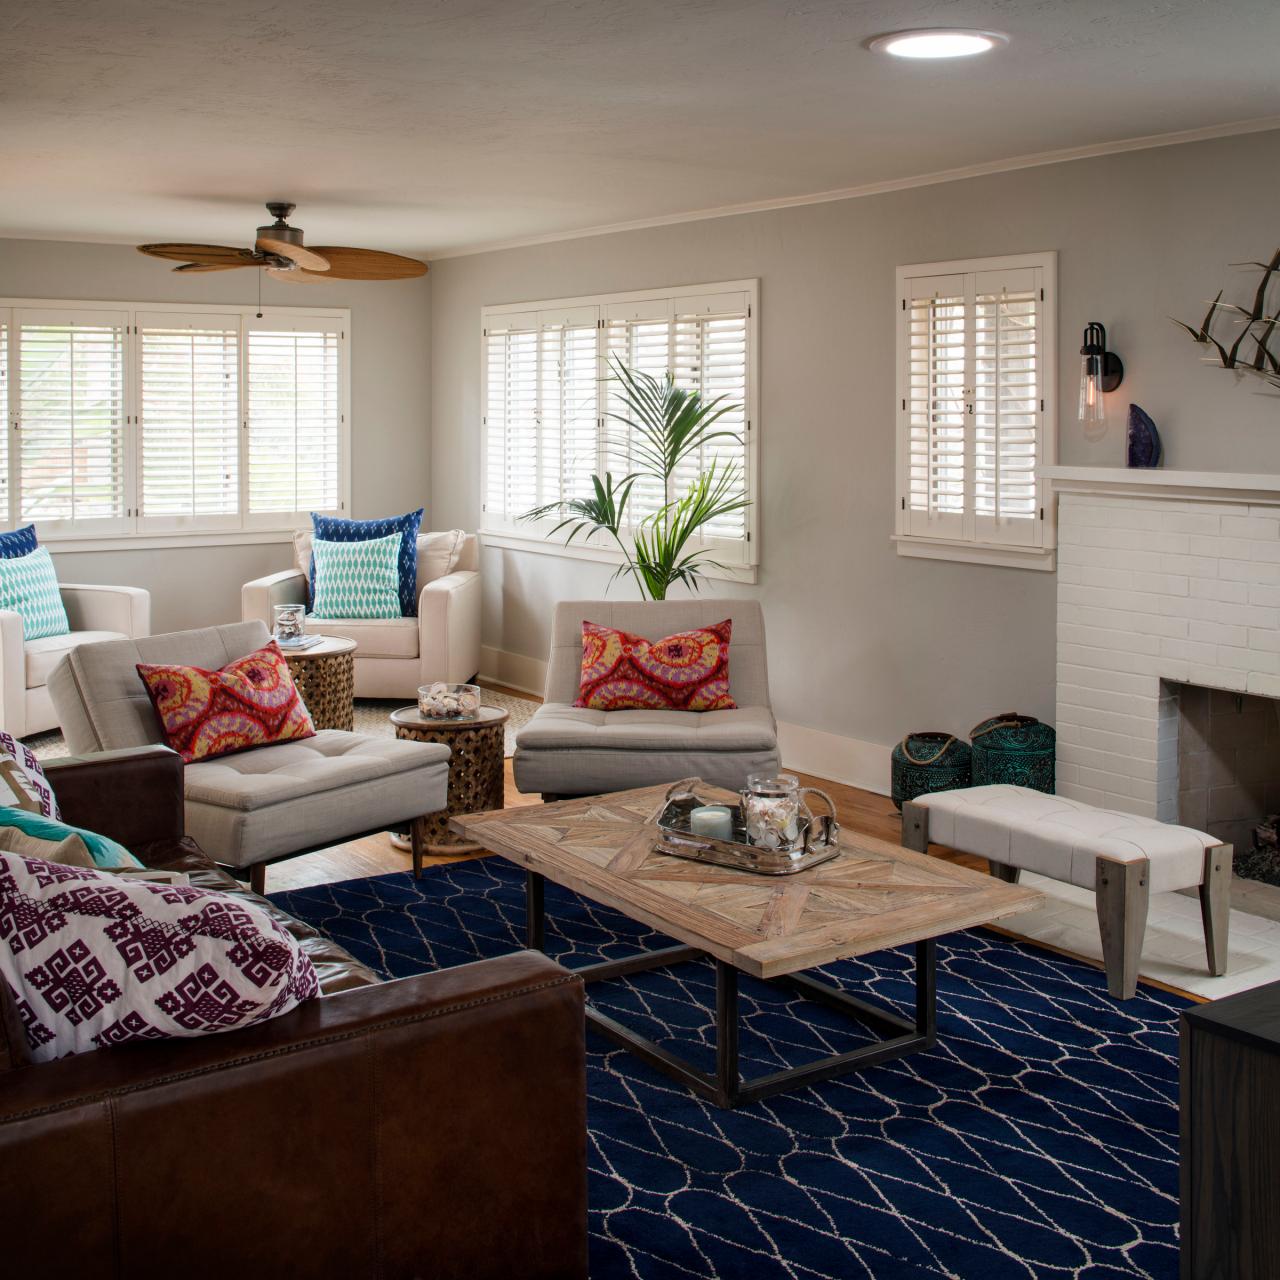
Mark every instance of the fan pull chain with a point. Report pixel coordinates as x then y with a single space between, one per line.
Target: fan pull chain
259 293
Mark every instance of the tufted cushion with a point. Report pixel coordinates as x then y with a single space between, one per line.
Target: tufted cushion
98 960
250 702
687 671
555 726
1063 838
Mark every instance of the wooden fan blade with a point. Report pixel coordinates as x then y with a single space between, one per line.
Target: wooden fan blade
296 276
369 264
204 255
189 268
311 259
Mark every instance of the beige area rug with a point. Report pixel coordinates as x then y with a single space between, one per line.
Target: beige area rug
1173 950
372 716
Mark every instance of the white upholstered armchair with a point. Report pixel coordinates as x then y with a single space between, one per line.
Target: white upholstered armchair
95 613
396 655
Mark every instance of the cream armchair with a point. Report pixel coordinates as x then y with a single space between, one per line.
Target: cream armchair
396 655
96 613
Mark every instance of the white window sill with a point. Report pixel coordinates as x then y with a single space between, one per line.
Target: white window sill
601 555
63 542
992 553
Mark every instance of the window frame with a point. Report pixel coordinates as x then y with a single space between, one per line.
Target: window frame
533 537
963 547
134 530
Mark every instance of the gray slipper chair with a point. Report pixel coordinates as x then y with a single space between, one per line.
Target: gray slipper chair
572 751
251 807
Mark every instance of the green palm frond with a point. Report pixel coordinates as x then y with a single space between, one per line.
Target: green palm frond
666 427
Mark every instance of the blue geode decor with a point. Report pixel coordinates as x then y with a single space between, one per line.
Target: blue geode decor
1144 447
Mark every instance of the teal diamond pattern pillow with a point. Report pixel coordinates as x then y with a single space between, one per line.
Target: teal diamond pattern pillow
29 586
357 579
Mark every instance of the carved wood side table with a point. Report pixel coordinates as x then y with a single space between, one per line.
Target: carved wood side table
325 676
475 773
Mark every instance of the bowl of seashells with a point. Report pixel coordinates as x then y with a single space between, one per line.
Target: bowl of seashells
442 701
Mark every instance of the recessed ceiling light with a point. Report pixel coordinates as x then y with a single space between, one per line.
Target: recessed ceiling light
938 42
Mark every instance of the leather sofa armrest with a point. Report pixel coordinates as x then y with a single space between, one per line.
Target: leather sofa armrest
431 1126
133 796
449 627
91 607
13 674
289 586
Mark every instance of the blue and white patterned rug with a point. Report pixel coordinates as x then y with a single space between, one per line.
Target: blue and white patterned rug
1037 1139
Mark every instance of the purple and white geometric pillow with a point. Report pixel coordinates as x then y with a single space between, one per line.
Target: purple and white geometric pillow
25 759
94 959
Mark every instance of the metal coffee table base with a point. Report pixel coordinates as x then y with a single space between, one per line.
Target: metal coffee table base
726 1087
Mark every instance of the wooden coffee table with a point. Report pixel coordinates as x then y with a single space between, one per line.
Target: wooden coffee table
875 895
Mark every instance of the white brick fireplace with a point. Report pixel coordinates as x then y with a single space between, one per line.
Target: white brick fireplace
1164 578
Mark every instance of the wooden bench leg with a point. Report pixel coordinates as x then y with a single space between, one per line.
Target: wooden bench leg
1215 905
915 827
1003 871
258 878
1123 891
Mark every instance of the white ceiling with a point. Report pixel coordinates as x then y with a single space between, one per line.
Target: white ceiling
428 126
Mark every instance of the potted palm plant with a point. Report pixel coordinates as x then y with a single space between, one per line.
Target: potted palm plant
666 425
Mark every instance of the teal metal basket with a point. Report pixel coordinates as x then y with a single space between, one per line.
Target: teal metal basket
1014 749
924 762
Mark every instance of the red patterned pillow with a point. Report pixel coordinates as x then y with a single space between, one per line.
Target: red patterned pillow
249 703
688 671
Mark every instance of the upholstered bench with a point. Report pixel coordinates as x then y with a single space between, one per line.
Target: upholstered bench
1121 857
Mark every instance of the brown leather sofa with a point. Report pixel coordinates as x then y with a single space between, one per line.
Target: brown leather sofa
433 1126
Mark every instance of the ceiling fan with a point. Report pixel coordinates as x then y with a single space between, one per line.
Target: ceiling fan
279 251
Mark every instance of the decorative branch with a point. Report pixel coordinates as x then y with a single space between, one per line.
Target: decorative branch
1255 325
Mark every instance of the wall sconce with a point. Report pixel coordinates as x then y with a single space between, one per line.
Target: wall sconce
1100 371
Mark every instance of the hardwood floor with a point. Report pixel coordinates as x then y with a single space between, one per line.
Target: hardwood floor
857 810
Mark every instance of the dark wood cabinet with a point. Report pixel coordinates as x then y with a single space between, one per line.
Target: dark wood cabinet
1230 1109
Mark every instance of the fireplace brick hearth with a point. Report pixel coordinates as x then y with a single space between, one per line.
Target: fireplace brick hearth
1165 578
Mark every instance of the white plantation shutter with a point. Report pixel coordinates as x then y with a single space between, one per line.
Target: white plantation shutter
938 354
973 377
710 356
569 414
295 455
70 415
511 416
640 336
550 397
188 420
1006 406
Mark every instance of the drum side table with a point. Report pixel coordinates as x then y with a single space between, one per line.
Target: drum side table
475 773
325 676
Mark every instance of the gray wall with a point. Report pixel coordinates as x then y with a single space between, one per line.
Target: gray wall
390 435
864 643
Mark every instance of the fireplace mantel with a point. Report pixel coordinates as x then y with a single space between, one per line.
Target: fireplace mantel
1133 482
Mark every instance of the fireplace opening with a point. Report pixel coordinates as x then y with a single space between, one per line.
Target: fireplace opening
1229 773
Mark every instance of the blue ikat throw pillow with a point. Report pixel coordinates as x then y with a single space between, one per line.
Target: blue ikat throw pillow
18 542
336 529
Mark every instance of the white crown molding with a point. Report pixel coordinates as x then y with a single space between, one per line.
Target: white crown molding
1062 156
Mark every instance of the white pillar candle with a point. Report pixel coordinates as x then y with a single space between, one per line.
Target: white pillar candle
712 820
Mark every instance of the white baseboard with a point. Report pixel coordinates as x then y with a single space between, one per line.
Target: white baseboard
835 757
516 671
825 755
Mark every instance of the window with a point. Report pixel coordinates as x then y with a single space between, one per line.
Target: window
163 421
548 397
976 402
